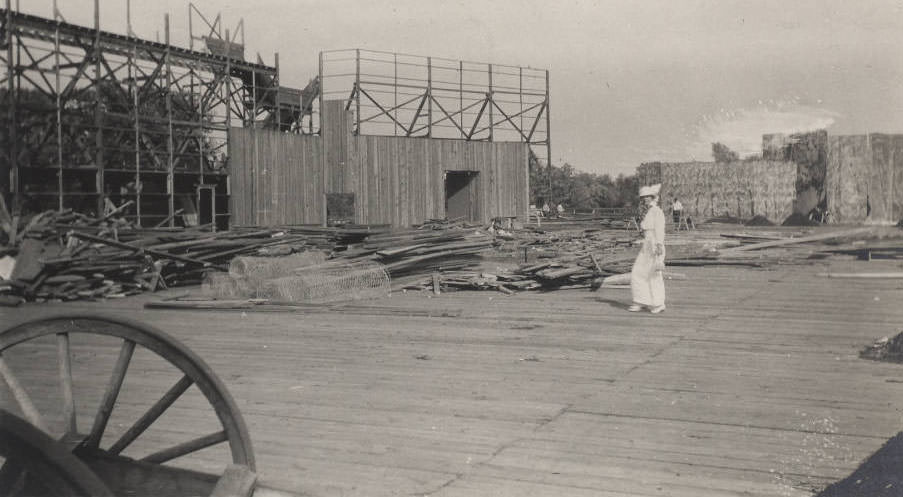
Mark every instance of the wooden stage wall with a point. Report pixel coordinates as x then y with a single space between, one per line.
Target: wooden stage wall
864 181
282 179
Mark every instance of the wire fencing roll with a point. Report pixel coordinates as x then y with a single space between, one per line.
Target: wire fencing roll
328 281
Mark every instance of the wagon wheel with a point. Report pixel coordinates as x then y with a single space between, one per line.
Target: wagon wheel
52 467
121 473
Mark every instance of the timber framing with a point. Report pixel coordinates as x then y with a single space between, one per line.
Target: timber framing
394 94
93 115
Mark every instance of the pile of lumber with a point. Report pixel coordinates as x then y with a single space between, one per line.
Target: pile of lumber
425 251
355 270
59 256
586 258
69 256
766 249
562 259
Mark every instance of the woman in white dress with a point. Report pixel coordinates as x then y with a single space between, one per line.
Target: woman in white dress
646 281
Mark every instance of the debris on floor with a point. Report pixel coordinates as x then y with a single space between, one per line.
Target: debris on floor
57 256
885 349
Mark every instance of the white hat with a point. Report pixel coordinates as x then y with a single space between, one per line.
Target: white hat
650 191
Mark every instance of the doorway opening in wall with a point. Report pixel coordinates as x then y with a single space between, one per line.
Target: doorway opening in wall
206 205
339 209
461 199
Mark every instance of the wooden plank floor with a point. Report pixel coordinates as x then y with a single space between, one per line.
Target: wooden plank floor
749 384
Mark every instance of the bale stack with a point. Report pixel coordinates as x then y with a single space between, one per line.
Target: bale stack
741 189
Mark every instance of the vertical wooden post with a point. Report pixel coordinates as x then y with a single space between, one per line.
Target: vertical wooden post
276 83
228 101
357 94
520 77
200 104
170 190
491 98
395 89
323 134
461 96
59 106
429 97
548 136
320 96
11 112
136 102
98 113
252 123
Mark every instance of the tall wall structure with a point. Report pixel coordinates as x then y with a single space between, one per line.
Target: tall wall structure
287 179
865 178
741 189
809 151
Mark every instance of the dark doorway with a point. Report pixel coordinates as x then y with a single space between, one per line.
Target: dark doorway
339 209
461 195
206 205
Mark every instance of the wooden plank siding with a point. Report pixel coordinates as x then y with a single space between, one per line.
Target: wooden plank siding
276 178
280 178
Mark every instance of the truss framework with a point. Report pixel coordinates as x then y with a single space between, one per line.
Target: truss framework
414 96
93 114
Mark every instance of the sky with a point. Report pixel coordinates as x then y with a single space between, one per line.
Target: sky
631 81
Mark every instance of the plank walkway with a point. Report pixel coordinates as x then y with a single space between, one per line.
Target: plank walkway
749 384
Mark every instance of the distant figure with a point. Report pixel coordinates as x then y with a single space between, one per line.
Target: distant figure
560 210
676 209
647 283
545 209
108 206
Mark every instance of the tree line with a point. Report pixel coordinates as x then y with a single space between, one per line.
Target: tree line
579 190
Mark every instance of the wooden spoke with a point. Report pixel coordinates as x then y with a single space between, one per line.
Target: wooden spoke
186 448
151 415
22 398
192 370
109 397
65 360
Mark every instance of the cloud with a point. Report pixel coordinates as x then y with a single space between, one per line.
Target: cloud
742 129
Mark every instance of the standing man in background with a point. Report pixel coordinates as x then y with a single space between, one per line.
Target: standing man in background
676 209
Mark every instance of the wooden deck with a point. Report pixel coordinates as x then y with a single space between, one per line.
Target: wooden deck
749 384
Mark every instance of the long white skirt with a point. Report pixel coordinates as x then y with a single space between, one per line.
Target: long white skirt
646 282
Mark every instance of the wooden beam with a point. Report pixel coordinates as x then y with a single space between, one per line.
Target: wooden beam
186 448
65 361
876 276
22 398
151 415
794 241
112 392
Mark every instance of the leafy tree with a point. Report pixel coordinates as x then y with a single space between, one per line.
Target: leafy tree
723 154
579 190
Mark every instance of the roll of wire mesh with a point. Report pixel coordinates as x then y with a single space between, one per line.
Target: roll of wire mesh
264 268
331 281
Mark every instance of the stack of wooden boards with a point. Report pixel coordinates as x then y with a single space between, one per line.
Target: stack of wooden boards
58 256
586 258
69 256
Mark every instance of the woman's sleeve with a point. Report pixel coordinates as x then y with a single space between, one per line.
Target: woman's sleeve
658 226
